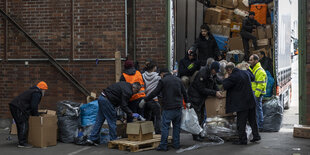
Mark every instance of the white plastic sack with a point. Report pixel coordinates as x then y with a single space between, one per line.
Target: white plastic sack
190 121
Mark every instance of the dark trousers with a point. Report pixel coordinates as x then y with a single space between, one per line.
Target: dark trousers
246 37
134 107
200 111
22 125
242 118
152 113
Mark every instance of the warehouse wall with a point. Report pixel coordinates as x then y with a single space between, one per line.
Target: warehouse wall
96 31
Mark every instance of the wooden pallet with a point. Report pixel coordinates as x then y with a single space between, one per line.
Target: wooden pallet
136 146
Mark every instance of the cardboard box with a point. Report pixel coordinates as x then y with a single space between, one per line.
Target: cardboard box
230 3
241 6
235 27
120 128
237 18
212 16
235 44
13 129
226 13
235 35
226 22
269 34
220 30
43 129
261 33
263 42
302 131
216 107
139 131
254 33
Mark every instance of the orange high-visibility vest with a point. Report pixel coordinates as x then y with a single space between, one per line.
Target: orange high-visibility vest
137 77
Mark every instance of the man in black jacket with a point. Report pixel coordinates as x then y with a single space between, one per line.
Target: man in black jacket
248 25
266 62
203 86
187 68
240 99
206 45
22 107
115 95
173 93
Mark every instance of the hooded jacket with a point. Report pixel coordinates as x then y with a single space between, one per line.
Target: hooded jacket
28 101
248 25
151 81
185 68
260 82
172 91
131 75
206 48
119 95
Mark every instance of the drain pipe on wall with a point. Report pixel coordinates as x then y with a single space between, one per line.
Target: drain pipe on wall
126 29
134 30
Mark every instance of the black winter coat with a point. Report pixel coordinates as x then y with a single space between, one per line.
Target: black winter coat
267 64
172 91
206 48
240 96
204 85
248 25
184 63
119 95
28 101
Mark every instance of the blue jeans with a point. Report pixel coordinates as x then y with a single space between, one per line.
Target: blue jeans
175 116
259 112
106 111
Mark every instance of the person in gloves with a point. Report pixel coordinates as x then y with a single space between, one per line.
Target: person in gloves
117 94
152 109
240 98
259 87
204 85
173 93
23 106
248 25
188 68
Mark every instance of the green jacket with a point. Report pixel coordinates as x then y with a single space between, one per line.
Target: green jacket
260 83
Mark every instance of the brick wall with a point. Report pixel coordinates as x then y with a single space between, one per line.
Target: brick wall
98 31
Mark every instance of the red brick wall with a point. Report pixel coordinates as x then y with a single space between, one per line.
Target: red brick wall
99 30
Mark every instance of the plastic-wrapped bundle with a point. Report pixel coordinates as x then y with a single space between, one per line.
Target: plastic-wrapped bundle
269 87
273 114
190 121
68 114
89 113
220 127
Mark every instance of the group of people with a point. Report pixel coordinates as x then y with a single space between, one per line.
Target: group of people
158 95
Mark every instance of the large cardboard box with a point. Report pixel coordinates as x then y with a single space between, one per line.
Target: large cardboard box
120 128
261 33
219 29
226 13
230 3
263 42
235 27
235 44
216 107
269 34
237 18
213 16
43 129
139 131
302 131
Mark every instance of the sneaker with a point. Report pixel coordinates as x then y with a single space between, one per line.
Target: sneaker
255 139
176 147
161 149
91 143
27 146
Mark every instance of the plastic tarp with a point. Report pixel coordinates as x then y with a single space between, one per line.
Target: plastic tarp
273 114
68 114
269 87
190 121
89 113
221 41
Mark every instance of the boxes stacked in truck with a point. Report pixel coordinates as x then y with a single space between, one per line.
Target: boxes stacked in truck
213 16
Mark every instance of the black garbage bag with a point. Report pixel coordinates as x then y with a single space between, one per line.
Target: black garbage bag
69 121
273 114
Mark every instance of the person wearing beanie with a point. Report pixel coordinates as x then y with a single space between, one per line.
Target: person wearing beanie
23 106
206 45
131 75
248 24
204 85
188 68
173 93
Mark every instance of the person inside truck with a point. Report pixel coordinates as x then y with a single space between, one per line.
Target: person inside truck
23 106
266 62
258 86
206 45
188 68
248 25
240 99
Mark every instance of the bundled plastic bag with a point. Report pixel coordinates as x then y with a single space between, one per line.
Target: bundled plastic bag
89 113
190 121
220 127
68 114
273 114
269 87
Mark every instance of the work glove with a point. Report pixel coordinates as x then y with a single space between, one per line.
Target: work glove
190 66
135 115
141 104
